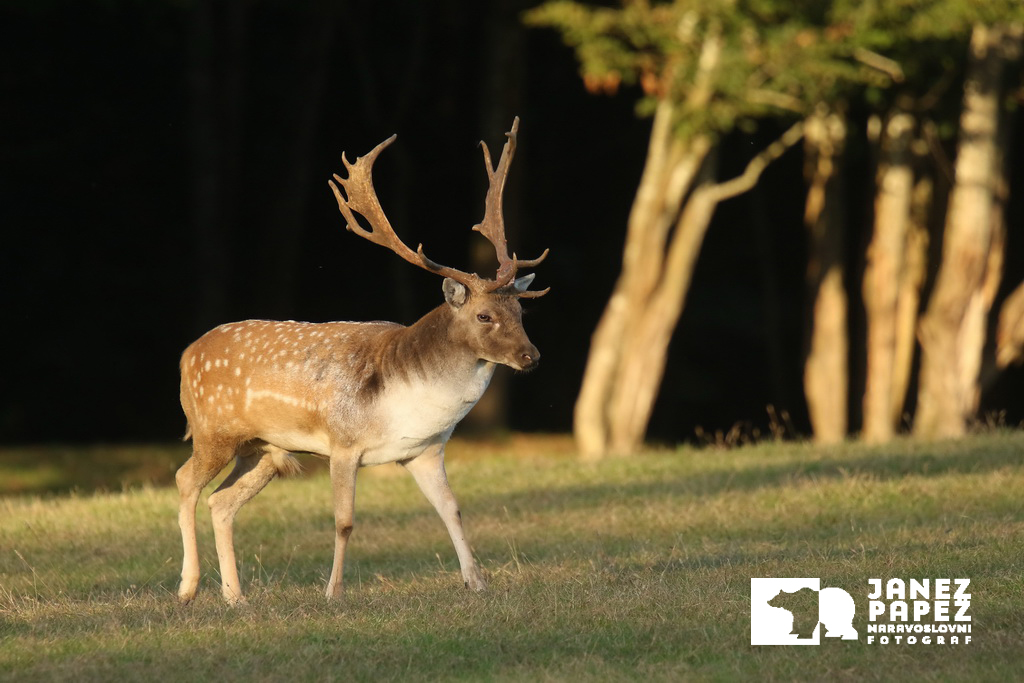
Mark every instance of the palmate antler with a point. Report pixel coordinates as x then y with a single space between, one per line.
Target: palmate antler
361 197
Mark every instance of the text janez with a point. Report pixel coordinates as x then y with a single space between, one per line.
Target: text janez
926 611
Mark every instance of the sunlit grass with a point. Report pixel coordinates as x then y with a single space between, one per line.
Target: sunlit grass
626 569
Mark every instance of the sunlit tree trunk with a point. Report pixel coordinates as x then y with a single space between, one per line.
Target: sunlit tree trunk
647 336
670 171
908 303
952 331
826 365
1010 330
670 216
893 276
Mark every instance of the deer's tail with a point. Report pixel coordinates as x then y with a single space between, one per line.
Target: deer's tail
287 464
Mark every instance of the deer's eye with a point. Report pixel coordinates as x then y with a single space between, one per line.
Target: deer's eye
484 318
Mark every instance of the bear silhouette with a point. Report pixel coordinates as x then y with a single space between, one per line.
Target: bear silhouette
836 611
803 605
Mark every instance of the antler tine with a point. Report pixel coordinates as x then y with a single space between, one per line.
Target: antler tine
532 263
493 224
533 294
361 197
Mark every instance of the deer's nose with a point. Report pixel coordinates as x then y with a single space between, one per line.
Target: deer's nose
530 358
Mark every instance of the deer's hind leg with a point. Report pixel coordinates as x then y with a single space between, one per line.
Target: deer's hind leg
253 471
208 458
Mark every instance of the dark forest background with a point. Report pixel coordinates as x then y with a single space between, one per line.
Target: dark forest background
164 167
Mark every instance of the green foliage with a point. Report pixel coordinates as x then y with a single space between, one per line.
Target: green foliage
923 20
925 45
626 569
777 56
718 61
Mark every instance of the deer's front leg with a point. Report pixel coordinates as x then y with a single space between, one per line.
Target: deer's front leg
428 471
343 484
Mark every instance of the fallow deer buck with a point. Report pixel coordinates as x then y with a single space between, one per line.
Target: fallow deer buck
355 393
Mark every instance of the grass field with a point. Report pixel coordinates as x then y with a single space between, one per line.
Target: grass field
627 569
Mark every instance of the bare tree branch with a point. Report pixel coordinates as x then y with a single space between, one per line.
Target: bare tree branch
751 174
889 67
778 100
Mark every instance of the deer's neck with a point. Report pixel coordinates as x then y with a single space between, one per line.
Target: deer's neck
433 382
428 351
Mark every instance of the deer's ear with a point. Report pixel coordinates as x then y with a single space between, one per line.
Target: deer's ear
455 293
523 283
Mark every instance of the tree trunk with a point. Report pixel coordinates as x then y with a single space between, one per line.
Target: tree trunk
893 277
630 345
826 365
647 336
671 168
1010 331
908 304
952 331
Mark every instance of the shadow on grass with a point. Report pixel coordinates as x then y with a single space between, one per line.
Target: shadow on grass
63 468
752 475
59 469
55 469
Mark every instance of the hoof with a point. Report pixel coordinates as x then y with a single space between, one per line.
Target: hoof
476 583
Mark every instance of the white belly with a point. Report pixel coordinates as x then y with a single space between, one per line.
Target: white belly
298 441
414 415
